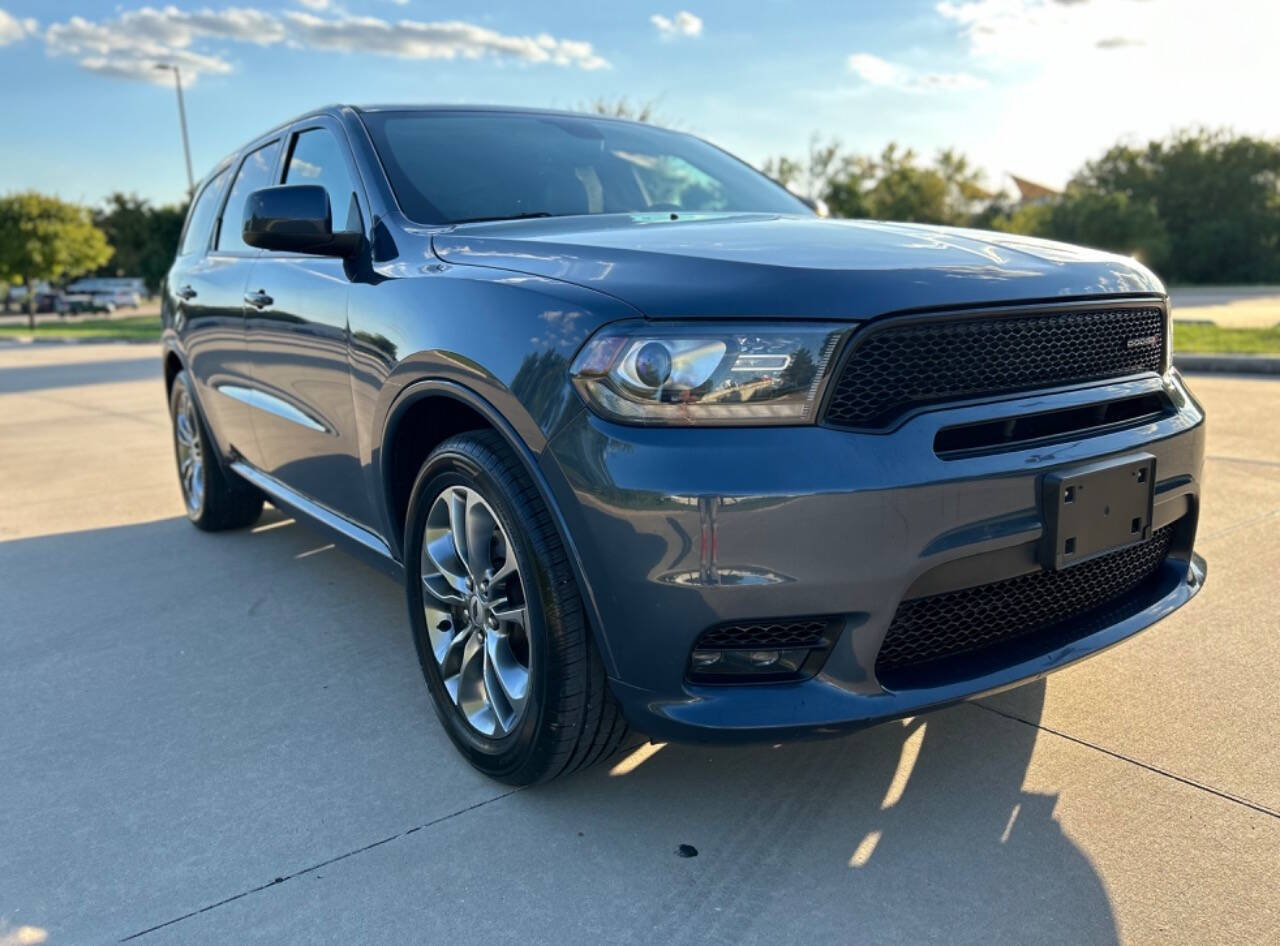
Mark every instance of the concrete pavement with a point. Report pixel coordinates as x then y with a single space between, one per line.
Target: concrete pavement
214 739
1228 306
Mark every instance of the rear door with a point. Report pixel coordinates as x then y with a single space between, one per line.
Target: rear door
297 332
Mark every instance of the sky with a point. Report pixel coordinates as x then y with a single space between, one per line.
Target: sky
1029 87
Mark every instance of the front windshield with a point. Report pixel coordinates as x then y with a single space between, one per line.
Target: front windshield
453 167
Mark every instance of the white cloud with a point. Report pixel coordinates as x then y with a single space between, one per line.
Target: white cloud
1027 30
1086 74
131 44
880 72
873 69
683 23
12 29
315 4
452 39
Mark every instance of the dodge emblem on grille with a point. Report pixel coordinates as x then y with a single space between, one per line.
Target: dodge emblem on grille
1144 341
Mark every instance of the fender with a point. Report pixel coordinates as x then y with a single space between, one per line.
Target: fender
435 387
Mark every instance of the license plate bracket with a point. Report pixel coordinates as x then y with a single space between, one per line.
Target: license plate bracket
1096 508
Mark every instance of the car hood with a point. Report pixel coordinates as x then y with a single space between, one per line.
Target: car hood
762 265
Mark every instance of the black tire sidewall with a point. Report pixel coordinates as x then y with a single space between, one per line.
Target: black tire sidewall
454 467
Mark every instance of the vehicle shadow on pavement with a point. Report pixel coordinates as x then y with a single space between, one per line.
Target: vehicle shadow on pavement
216 711
916 831
25 379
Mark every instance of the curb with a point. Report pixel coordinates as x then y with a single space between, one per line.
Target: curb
1229 364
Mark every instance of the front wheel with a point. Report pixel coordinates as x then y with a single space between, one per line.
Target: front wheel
498 620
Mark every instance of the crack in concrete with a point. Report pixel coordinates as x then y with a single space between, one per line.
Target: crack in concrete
1227 530
1243 460
315 867
1155 769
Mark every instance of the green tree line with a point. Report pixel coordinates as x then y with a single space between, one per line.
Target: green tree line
1197 207
45 239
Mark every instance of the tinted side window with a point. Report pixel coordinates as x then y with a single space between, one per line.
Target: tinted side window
196 237
257 172
317 159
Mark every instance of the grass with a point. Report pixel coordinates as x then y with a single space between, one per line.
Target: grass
1206 339
133 328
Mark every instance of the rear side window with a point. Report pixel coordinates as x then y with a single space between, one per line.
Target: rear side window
203 212
257 172
317 159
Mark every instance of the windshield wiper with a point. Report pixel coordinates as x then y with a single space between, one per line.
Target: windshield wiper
524 216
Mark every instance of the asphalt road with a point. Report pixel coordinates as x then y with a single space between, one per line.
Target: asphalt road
225 739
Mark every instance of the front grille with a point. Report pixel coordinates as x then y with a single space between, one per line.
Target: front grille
961 622
764 635
898 365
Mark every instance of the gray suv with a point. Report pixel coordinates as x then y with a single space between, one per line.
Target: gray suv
649 443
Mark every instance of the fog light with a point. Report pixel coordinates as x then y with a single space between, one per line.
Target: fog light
724 666
702 659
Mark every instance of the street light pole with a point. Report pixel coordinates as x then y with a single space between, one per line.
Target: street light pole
182 118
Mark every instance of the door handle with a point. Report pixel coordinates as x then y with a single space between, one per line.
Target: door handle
259 299
186 292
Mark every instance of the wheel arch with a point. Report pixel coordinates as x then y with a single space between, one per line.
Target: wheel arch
172 365
424 415
175 361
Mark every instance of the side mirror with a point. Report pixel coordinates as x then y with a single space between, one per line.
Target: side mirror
295 218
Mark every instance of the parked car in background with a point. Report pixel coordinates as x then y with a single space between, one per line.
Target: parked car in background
55 301
83 302
108 284
649 442
118 298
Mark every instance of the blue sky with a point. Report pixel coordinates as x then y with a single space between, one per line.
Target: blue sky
1032 87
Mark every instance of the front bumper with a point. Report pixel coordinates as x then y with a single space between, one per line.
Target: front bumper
680 530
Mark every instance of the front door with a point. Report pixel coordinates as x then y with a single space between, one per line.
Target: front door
297 335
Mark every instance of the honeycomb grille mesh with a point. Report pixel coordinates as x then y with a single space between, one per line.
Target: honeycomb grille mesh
893 369
764 635
928 629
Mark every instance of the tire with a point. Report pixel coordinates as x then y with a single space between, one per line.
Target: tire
528 626
215 499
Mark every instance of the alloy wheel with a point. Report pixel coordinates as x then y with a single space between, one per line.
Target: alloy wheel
186 433
477 614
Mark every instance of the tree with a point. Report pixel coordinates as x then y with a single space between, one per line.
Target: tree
1114 221
903 190
145 237
1200 207
44 238
826 174
646 111
811 176
1106 220
894 186
1216 195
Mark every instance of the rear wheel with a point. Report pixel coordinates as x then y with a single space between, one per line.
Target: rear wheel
498 619
215 499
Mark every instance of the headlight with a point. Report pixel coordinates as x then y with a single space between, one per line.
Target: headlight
650 373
